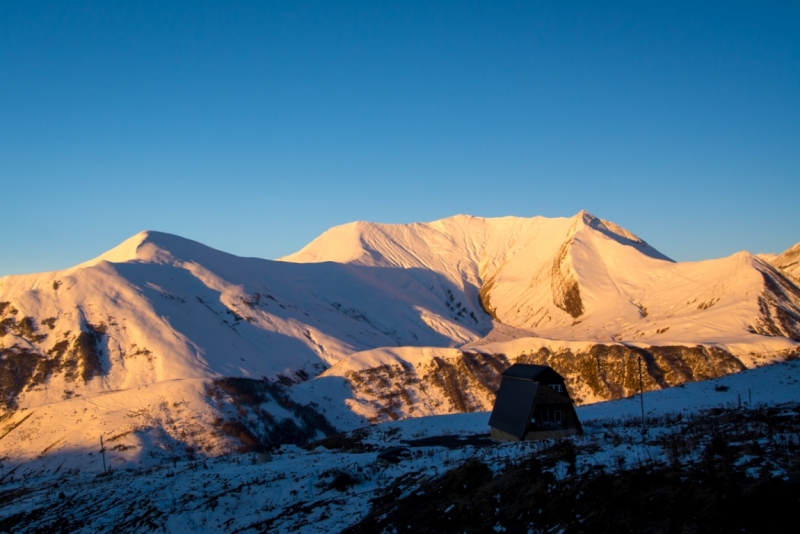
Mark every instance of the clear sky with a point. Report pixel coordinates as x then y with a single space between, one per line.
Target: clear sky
254 126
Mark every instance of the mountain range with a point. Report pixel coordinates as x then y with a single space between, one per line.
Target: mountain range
168 347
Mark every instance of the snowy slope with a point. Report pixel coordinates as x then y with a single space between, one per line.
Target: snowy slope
150 424
789 262
160 307
387 384
296 490
769 385
144 425
154 424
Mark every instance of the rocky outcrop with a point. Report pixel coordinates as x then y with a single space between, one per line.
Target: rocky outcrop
779 307
26 364
566 291
606 372
249 414
468 382
465 383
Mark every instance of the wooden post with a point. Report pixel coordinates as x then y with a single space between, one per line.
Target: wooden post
103 453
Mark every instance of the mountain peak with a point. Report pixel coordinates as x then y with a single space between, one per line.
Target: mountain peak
151 246
122 253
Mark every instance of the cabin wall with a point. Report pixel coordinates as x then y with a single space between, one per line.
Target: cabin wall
548 398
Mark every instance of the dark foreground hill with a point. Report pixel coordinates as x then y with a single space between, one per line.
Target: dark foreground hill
725 470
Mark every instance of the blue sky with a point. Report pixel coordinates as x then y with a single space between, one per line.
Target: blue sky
254 126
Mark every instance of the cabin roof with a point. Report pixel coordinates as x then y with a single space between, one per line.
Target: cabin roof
527 371
513 404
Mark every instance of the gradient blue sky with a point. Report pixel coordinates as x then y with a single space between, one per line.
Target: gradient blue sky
254 126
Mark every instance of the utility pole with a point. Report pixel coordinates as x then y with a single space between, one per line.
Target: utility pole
103 453
641 389
641 379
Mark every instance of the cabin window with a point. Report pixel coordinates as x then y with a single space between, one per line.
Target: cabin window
548 417
556 387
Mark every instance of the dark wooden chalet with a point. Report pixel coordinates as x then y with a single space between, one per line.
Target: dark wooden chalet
533 403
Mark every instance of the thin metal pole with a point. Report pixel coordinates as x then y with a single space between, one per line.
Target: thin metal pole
103 452
641 389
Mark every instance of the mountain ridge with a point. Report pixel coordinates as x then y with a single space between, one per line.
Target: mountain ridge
788 261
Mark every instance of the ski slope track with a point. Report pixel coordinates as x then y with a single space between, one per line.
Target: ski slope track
171 349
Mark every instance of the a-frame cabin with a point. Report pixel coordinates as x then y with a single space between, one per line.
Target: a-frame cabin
533 403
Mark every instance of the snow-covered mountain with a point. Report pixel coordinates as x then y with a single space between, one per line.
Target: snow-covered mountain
370 322
578 278
159 307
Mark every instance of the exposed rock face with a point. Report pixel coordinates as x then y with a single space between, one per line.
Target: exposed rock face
17 365
27 364
250 422
466 383
612 371
566 291
779 305
485 299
